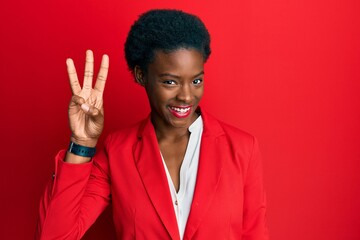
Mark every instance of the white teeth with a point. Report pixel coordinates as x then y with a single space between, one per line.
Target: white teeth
181 110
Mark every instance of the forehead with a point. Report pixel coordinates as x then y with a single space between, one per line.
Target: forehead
181 62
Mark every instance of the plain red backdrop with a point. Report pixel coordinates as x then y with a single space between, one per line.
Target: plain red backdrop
286 71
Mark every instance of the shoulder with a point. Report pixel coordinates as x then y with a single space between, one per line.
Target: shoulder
238 145
125 136
235 131
219 127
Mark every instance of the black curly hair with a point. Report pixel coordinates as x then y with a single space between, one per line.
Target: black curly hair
164 30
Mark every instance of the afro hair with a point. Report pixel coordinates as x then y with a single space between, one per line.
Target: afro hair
164 30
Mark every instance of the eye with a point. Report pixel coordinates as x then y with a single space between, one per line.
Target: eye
197 81
169 82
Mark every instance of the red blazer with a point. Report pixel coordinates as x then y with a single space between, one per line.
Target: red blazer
228 203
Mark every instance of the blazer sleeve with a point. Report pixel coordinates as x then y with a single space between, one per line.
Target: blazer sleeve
74 198
254 225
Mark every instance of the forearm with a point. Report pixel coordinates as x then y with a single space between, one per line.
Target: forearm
68 207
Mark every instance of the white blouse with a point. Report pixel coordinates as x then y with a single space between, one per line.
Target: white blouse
188 171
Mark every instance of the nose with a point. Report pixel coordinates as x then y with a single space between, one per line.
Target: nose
184 93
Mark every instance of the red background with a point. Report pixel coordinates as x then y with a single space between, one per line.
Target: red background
286 71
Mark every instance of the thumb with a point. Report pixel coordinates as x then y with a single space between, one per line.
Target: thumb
90 110
77 100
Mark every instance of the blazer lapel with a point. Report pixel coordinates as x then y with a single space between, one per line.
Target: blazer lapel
209 172
151 169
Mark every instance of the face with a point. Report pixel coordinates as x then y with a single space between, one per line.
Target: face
174 85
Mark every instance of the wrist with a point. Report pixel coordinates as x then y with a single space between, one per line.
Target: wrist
81 151
91 143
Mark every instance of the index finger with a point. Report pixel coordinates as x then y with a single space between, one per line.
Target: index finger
103 72
74 81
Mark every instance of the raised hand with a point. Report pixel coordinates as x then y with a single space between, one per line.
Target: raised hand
86 112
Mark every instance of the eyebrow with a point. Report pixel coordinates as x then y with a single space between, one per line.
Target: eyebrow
175 76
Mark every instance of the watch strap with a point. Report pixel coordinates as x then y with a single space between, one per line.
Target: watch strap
81 150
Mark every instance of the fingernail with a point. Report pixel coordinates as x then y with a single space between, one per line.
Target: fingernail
85 107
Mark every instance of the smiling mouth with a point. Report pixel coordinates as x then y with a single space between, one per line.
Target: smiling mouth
180 112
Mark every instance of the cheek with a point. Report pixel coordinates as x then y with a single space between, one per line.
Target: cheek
199 93
160 97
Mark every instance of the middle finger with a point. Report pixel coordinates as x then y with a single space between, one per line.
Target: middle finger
89 71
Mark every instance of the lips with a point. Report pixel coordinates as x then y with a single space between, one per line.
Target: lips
180 112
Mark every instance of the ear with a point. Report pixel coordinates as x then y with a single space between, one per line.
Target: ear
139 75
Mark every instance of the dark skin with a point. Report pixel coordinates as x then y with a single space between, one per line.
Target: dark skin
86 112
174 85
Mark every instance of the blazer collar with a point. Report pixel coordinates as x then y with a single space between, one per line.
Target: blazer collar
151 169
209 173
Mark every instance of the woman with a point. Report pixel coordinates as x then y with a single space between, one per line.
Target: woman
180 173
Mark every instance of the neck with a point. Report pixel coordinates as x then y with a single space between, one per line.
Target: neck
169 132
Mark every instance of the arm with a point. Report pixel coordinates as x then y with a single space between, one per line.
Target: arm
73 199
80 189
254 227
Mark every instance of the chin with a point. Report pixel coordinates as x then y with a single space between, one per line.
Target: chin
182 122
